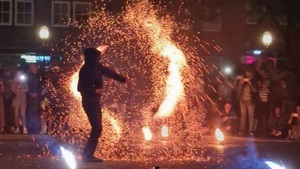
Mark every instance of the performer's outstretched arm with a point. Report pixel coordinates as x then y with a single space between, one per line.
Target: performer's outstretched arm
112 74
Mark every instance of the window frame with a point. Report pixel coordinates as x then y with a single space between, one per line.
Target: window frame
10 12
74 10
52 13
32 13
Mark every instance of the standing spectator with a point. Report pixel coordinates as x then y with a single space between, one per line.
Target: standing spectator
33 100
276 122
227 119
283 96
8 96
263 107
247 96
45 109
2 115
19 102
294 125
23 66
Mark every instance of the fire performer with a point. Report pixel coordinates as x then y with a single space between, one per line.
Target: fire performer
90 86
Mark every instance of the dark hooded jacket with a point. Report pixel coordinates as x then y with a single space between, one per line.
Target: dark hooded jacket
90 75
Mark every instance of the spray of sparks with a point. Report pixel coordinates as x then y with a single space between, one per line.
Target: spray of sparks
162 45
161 66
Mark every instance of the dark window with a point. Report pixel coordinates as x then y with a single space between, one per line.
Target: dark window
60 13
24 13
5 12
81 12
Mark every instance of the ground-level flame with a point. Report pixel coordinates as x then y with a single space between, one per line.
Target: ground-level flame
165 131
219 135
147 133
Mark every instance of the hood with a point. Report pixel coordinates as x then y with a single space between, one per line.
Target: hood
91 55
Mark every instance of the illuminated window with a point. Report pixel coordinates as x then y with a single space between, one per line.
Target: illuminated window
24 12
60 13
81 12
5 12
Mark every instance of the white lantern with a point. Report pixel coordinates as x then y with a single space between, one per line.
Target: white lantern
44 32
267 38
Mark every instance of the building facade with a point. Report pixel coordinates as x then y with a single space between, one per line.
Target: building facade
29 28
237 26
226 29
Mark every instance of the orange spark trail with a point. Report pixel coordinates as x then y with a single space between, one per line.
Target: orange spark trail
144 45
175 88
162 45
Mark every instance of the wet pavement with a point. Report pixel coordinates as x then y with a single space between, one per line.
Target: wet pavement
33 152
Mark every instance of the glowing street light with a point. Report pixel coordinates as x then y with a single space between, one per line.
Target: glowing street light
44 32
228 70
267 38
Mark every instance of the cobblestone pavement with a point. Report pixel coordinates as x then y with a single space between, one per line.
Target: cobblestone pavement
20 152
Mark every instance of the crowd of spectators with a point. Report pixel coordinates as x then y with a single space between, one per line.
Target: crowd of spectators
258 100
24 99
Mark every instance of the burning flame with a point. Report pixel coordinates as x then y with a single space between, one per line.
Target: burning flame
219 135
164 131
162 45
73 86
102 49
273 165
175 87
69 158
147 133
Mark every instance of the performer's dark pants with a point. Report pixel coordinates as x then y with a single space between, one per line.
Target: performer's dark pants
93 110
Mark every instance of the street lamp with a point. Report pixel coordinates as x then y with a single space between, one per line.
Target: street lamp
44 32
227 70
267 38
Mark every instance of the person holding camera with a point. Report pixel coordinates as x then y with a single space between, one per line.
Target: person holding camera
247 90
19 103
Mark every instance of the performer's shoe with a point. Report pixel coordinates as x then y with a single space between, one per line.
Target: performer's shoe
92 159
